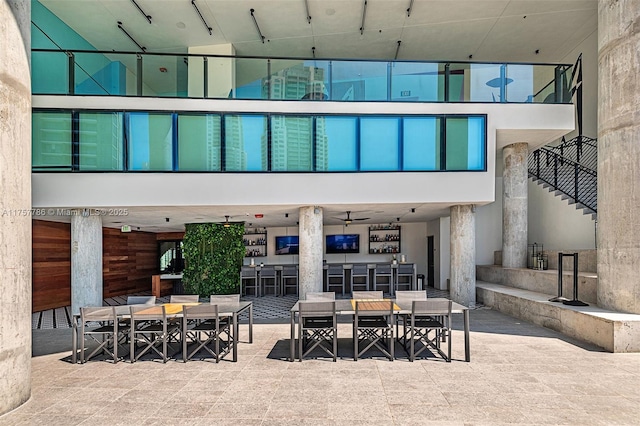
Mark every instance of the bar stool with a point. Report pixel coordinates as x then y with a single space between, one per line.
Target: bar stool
268 279
383 270
404 277
335 277
360 272
289 279
249 280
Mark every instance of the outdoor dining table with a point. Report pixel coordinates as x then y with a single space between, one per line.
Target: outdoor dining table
174 310
347 307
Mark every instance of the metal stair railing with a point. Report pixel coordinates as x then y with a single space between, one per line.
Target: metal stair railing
565 176
581 149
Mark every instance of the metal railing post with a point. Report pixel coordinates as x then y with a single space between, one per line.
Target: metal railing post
555 171
72 73
139 76
575 182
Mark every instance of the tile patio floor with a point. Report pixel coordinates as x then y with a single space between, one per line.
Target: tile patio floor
519 374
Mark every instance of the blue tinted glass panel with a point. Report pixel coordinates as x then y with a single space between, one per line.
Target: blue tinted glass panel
336 143
51 140
251 79
520 83
297 80
417 82
486 83
150 141
199 142
96 74
245 143
421 143
101 141
291 143
465 139
379 144
359 81
50 73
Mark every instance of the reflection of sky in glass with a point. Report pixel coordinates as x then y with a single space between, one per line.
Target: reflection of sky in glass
413 81
341 144
379 143
252 90
252 130
139 141
476 143
419 143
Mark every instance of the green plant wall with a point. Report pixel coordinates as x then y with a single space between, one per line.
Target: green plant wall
213 257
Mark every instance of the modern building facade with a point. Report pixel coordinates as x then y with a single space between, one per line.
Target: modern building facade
215 129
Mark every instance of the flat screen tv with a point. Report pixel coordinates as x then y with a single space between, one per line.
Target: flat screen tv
343 243
287 245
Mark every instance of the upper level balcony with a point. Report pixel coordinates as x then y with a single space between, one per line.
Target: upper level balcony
110 73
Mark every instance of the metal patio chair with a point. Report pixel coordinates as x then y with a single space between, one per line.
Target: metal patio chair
317 328
203 331
373 327
427 316
150 330
101 326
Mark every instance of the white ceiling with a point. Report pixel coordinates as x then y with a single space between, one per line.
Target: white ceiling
489 30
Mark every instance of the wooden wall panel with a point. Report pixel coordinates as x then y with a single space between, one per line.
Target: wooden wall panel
129 260
51 276
170 236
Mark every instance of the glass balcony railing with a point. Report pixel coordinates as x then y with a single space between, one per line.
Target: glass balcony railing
107 73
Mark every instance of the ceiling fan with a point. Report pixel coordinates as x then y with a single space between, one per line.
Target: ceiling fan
348 220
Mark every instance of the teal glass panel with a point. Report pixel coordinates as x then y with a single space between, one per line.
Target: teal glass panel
51 140
291 143
252 79
298 80
379 150
421 143
245 143
199 142
475 82
465 143
96 74
520 87
50 73
336 144
101 141
150 138
164 76
417 82
359 81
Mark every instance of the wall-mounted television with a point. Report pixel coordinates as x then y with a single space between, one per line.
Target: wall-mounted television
287 244
343 243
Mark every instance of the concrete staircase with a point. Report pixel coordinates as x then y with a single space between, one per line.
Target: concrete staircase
525 293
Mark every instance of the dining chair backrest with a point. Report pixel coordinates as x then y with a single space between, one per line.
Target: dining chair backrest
384 308
434 307
410 295
325 295
218 299
335 270
367 295
97 313
148 313
141 300
267 271
203 311
248 272
184 298
405 269
317 308
383 269
289 271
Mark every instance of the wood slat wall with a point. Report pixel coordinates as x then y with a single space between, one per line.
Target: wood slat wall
51 283
129 260
170 236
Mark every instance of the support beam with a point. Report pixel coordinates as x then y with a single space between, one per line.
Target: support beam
311 249
514 205
463 255
86 260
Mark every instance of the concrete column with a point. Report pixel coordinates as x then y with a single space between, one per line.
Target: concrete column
86 260
463 255
514 205
311 249
618 155
15 204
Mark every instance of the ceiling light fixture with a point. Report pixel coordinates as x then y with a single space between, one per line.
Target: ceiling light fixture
470 56
409 8
257 26
364 14
209 29
144 49
166 219
397 50
306 6
147 17
313 52
226 222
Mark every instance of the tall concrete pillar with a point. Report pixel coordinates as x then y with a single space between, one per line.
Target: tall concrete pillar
86 261
15 204
463 255
514 205
311 249
618 155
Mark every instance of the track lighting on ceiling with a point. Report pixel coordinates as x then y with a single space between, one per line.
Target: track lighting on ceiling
313 52
286 215
166 219
144 49
257 26
397 50
209 29
413 210
147 17
470 56
364 14
306 7
226 223
409 8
